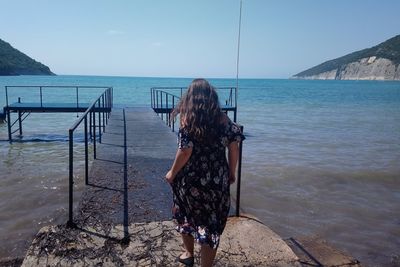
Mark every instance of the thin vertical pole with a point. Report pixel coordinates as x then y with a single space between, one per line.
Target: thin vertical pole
154 97
70 222
86 153
239 176
106 114
19 118
166 105
173 119
94 133
9 126
112 96
99 120
162 113
237 62
90 125
157 98
102 103
107 106
20 122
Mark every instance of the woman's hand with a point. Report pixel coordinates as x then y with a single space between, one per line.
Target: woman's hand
169 177
181 158
232 178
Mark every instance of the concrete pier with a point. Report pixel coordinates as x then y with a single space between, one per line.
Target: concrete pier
124 216
126 181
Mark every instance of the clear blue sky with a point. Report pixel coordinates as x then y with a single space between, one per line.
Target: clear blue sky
182 38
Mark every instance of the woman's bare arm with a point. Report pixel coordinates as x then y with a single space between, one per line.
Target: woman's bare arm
181 158
233 156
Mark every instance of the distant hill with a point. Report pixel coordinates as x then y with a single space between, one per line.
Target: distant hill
14 62
381 62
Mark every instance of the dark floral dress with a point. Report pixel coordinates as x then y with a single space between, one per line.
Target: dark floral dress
201 188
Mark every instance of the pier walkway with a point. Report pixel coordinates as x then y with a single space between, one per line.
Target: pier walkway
126 183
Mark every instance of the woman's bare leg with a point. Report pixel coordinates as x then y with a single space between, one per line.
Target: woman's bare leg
188 243
207 255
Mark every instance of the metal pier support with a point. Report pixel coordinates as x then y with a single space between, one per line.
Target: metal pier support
20 122
9 126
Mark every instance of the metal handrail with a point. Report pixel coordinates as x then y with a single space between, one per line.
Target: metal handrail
41 87
101 105
164 102
161 95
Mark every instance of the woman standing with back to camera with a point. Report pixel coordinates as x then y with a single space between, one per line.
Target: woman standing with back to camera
201 174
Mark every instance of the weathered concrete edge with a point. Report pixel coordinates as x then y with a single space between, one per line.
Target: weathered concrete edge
156 243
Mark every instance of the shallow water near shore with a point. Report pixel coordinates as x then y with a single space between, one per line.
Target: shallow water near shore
321 158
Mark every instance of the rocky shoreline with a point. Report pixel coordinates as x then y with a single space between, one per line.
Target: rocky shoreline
371 68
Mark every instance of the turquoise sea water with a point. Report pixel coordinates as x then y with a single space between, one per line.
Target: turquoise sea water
321 158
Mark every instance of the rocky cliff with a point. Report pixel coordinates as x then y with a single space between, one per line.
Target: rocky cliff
14 62
381 62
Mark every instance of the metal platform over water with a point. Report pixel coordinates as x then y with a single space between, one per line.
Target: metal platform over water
36 104
51 107
165 99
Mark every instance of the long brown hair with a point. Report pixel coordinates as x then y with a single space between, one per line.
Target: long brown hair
199 110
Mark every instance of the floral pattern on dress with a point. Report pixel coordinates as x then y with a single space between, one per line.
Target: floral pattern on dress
201 189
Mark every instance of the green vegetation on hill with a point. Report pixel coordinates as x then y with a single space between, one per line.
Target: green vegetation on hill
389 49
14 62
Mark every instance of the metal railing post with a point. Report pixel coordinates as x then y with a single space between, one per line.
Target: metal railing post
166 109
94 133
112 97
86 152
70 222
103 108
173 119
239 176
9 126
154 98
19 118
107 106
19 122
157 98
90 125
99 120
6 95
162 114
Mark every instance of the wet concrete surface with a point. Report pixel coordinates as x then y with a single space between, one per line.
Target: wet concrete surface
126 183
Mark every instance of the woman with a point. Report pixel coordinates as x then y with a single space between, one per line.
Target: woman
201 174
